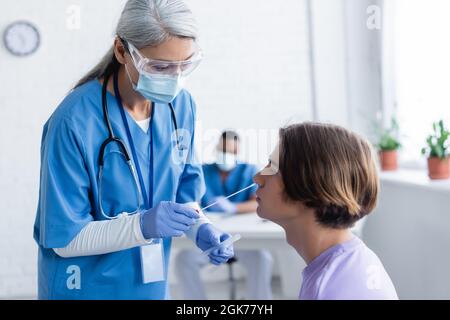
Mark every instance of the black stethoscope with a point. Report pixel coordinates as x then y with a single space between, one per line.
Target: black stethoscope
113 139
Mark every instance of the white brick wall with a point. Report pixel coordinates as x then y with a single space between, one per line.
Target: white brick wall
255 76
30 89
256 72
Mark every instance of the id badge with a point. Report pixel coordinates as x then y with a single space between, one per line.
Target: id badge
152 262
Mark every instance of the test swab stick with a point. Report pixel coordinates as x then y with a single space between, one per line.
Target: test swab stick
231 195
227 242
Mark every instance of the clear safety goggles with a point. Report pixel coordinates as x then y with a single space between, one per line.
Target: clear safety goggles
162 67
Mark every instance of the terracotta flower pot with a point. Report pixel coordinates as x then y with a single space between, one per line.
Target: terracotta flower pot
388 160
438 168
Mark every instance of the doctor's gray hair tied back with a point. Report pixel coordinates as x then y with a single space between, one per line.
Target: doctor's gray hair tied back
145 23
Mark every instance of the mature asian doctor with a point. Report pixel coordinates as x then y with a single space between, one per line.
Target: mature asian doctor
118 180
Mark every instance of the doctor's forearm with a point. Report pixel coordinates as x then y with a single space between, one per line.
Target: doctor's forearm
101 237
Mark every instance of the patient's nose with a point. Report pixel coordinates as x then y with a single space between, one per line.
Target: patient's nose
258 179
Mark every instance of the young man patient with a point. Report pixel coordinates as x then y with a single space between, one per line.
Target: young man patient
320 180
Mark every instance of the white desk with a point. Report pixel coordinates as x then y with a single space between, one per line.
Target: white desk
259 234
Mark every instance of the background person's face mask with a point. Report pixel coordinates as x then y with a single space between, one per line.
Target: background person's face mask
226 161
158 88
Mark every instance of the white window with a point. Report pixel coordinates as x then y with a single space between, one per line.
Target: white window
421 46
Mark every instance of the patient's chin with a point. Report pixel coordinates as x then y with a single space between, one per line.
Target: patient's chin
262 213
259 212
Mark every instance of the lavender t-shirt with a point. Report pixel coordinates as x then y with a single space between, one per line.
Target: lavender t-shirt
349 270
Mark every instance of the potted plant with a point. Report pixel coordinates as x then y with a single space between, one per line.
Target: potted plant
436 150
388 144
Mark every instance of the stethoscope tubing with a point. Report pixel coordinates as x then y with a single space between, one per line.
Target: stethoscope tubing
112 138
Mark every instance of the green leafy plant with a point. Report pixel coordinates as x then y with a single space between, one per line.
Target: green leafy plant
388 137
437 142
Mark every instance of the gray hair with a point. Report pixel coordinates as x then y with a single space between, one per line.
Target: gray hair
146 23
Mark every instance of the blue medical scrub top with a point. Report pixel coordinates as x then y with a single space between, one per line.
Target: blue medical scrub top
238 178
68 196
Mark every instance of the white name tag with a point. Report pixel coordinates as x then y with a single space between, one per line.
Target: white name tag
152 262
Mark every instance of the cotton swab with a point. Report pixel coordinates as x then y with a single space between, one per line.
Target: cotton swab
231 195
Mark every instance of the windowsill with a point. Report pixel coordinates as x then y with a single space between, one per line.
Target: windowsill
415 178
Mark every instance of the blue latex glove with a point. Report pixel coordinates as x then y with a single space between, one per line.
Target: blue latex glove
167 219
223 205
209 236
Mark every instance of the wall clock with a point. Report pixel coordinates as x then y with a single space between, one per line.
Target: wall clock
21 38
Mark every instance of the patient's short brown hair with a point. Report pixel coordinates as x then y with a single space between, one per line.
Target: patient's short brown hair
330 169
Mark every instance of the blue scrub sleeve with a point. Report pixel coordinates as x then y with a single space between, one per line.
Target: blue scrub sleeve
209 196
207 199
192 182
64 203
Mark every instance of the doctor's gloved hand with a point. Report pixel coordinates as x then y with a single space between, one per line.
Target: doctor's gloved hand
223 205
209 236
167 219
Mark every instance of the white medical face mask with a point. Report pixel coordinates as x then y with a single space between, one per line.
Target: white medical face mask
226 161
